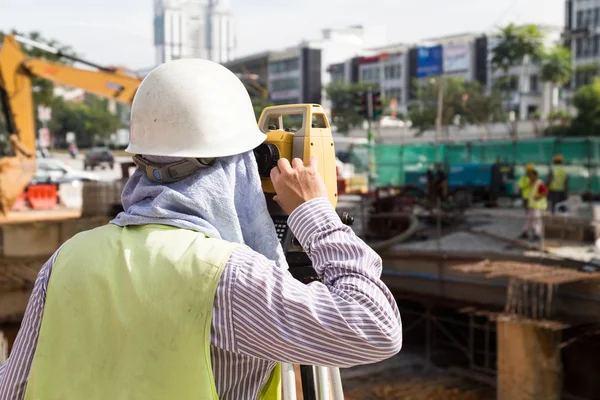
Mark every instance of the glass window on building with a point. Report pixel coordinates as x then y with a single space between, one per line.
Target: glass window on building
284 66
578 47
392 71
370 74
337 77
579 19
534 84
280 85
596 16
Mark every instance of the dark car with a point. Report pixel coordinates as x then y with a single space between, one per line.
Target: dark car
98 156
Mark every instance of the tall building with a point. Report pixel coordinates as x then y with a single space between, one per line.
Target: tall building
582 36
193 28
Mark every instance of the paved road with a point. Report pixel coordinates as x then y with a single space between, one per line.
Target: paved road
104 174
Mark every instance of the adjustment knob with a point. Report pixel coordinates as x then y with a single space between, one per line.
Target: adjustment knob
267 155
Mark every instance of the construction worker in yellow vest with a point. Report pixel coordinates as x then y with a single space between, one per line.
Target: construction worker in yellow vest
558 183
536 204
186 294
524 186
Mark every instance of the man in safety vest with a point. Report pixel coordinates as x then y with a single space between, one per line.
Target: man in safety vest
536 204
186 294
524 185
558 183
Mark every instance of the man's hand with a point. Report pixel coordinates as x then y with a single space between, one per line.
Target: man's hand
297 183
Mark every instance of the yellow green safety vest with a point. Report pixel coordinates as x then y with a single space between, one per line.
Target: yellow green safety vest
559 179
128 317
534 204
524 186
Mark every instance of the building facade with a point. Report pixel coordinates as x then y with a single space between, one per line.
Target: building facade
582 36
283 77
395 68
193 28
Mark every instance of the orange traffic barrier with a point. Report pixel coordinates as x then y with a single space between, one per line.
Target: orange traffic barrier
20 203
42 197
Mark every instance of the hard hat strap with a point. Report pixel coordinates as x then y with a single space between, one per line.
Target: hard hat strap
169 173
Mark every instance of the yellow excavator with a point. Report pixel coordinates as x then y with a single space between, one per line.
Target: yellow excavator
16 103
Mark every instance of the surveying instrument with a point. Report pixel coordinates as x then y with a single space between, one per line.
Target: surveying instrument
300 131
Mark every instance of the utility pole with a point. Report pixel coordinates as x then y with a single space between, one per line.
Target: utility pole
440 108
371 139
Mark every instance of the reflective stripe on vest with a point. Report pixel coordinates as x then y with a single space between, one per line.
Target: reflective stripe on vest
128 315
524 186
559 179
534 204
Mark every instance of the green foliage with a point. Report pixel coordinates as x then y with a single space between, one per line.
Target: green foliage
465 99
587 102
259 104
592 68
557 66
343 97
88 120
559 115
516 42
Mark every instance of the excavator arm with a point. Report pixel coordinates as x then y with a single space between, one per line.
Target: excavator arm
16 71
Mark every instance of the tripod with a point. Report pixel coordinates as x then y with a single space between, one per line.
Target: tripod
318 383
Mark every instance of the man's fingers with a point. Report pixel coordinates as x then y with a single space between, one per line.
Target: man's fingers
312 162
275 173
284 165
297 163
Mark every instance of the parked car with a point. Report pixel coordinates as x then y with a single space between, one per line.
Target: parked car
98 157
50 170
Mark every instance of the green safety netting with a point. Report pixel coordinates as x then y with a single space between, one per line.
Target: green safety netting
582 158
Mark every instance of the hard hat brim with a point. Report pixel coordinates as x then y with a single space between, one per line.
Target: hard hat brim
242 145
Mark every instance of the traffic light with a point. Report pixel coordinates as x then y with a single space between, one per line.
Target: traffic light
377 108
362 104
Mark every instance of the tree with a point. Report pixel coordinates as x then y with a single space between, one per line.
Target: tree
587 102
259 104
516 46
483 108
88 120
557 68
466 100
515 43
343 98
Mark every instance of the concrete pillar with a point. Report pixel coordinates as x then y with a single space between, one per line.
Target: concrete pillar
529 363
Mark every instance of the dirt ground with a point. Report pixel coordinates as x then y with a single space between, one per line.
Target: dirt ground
414 385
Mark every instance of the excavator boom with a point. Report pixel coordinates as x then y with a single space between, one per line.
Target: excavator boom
16 71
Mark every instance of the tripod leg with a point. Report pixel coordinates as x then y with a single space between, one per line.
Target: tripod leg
323 383
289 381
336 380
308 382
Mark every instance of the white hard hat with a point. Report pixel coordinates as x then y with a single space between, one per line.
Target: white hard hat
192 108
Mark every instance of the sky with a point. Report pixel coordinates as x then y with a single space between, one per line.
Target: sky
120 32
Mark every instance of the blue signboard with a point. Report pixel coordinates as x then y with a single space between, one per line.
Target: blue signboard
429 61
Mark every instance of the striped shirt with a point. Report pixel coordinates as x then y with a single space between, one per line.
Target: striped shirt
262 315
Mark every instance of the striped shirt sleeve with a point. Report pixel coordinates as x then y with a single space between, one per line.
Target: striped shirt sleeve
15 371
350 318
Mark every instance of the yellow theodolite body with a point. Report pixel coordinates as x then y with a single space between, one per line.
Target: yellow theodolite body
307 134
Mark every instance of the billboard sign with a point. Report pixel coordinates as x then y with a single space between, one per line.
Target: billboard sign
429 61
456 57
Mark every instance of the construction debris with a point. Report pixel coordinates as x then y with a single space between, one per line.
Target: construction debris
534 273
